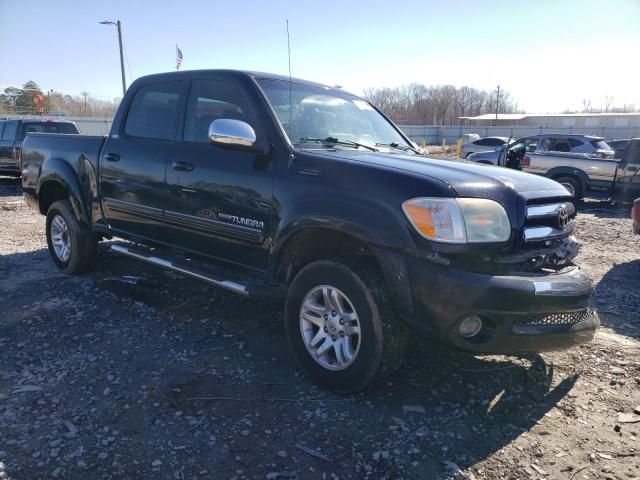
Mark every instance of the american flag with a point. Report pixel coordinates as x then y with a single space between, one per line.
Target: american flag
178 58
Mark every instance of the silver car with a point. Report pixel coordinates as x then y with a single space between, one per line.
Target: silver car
485 144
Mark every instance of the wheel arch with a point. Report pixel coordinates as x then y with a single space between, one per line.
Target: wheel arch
58 181
313 242
582 177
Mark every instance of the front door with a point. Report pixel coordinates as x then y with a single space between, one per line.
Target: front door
220 198
132 167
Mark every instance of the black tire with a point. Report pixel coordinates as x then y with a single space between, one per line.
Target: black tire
383 339
571 183
83 244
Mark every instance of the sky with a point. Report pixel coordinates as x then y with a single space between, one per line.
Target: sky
549 54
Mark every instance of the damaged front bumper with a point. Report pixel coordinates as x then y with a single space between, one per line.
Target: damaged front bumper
519 313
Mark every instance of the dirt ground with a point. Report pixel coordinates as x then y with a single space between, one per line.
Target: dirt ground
133 372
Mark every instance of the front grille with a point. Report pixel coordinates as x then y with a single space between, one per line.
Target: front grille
548 221
544 319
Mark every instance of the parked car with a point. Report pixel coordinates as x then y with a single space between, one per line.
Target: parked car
482 145
567 145
579 162
12 134
254 182
489 157
635 216
618 146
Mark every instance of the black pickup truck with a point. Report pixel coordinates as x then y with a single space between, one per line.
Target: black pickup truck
13 133
255 182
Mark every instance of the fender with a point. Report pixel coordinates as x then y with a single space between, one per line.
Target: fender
371 224
375 223
57 170
574 172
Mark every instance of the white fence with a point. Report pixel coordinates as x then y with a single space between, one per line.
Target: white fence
435 135
429 134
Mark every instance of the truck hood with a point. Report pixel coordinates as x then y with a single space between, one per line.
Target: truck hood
467 179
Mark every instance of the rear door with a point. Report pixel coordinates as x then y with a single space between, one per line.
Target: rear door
221 198
132 166
7 140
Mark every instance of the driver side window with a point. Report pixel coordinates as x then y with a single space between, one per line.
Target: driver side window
211 100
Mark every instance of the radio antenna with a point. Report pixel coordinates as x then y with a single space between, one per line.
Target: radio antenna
290 81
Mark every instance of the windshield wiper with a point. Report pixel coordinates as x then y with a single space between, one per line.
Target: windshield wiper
397 146
336 141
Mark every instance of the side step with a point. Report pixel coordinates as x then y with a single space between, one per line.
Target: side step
207 274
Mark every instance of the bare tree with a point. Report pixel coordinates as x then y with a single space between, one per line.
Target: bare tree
586 105
441 104
608 102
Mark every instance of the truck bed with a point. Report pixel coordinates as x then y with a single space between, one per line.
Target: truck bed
80 152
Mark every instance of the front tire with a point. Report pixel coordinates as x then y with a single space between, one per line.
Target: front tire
340 327
572 184
72 246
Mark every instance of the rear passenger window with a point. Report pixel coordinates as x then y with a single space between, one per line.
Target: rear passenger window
556 145
211 100
154 111
10 129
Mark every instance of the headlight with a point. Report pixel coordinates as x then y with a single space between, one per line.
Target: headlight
458 220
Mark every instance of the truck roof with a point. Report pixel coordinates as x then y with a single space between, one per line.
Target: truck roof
185 74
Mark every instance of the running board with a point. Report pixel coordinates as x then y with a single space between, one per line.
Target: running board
177 267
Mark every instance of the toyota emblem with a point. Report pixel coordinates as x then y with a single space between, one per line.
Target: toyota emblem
563 218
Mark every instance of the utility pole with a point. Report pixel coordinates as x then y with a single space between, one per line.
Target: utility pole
119 25
85 94
497 102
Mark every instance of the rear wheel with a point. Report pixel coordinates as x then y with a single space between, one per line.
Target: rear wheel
72 246
572 184
340 327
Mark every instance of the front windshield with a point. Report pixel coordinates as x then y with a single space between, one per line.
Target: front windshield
321 117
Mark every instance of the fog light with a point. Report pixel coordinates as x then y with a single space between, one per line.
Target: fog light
470 326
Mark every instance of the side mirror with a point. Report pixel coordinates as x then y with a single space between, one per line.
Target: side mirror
227 131
499 149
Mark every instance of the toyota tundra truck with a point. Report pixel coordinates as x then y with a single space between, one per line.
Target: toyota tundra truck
261 184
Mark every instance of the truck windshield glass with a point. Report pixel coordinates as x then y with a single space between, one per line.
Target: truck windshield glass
323 113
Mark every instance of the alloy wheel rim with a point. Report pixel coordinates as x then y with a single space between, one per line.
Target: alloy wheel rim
330 327
569 187
60 238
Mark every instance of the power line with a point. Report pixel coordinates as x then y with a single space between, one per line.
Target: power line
126 59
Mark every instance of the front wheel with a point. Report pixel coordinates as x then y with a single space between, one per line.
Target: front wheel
72 246
572 184
340 327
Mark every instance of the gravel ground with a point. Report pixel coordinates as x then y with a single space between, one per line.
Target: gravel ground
133 372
